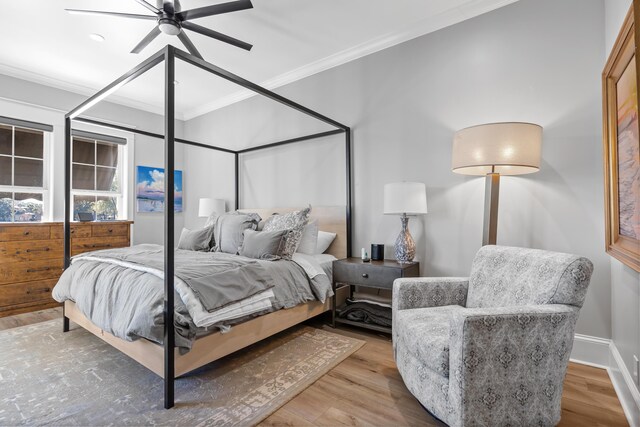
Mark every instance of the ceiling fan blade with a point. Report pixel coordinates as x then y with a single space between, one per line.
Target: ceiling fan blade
121 15
216 35
187 43
148 6
145 41
216 9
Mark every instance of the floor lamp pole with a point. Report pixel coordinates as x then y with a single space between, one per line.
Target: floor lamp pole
491 194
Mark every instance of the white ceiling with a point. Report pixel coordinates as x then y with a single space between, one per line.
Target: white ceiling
292 39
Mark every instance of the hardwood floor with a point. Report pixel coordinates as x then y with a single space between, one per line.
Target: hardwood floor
366 390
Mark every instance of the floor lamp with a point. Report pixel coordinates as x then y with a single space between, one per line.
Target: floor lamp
492 150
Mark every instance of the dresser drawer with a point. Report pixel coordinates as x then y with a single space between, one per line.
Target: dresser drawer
24 232
102 230
20 293
379 277
30 270
79 246
32 250
57 232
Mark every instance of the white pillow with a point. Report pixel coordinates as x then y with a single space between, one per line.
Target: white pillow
324 241
309 239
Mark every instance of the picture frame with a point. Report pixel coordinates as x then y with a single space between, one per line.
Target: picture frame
150 195
621 146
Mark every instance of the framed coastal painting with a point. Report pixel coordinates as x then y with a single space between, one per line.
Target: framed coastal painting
150 189
621 146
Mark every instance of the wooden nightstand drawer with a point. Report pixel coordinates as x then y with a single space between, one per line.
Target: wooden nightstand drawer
372 275
377 274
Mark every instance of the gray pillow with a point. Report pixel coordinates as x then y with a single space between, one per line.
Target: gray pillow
229 231
196 240
262 244
294 222
309 239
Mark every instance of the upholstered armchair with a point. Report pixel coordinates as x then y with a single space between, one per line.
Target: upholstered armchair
491 349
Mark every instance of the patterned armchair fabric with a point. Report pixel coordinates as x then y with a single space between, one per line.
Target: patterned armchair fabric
502 276
491 365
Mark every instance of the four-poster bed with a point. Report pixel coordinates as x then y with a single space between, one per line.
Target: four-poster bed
165 360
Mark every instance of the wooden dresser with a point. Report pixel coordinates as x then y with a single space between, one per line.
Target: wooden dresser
31 258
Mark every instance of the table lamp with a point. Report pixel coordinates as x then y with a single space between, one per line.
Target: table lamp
208 206
492 150
405 198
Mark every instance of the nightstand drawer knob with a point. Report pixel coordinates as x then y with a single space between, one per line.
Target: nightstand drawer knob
365 275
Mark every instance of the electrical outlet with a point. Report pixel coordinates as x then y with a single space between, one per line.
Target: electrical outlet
636 369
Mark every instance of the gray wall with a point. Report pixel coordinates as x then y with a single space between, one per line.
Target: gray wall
535 60
48 105
625 282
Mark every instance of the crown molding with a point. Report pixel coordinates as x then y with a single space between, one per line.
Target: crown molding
470 9
38 78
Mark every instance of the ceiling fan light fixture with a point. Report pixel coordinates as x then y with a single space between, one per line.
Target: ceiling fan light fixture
96 37
169 26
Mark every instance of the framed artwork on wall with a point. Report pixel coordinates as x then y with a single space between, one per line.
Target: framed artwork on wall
150 189
621 147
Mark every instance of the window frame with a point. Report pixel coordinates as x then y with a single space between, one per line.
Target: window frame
122 194
46 173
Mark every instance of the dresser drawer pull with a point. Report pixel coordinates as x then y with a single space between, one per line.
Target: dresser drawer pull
26 233
39 291
37 250
110 230
94 246
36 270
365 275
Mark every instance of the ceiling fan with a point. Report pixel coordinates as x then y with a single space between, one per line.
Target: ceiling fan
171 20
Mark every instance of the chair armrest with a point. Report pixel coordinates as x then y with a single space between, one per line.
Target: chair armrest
423 292
502 358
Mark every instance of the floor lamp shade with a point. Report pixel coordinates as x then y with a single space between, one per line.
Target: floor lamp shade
208 206
405 198
504 148
492 150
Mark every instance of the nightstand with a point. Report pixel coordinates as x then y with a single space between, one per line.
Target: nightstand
351 272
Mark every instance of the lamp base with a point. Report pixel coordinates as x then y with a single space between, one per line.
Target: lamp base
405 247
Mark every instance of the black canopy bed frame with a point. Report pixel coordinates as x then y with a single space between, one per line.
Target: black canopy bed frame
166 367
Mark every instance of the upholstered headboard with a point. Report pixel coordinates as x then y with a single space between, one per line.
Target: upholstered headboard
330 218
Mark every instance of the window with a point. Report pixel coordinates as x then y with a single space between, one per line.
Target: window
96 174
23 148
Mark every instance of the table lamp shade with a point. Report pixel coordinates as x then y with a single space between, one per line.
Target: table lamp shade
405 198
504 148
207 206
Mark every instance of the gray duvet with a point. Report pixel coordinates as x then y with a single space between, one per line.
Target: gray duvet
129 303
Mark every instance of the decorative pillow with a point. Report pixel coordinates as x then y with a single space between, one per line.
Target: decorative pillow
309 239
325 239
229 230
196 240
293 221
262 244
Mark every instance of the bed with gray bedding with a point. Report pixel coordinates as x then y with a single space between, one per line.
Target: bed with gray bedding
122 290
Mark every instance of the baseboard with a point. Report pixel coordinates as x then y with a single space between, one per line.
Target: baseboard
624 386
603 353
592 351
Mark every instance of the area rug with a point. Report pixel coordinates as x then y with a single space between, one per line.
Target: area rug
52 378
